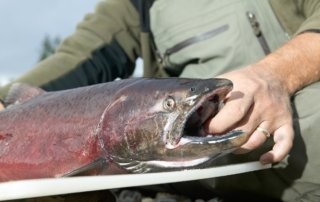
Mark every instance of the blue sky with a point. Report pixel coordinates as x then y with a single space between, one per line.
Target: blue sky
24 24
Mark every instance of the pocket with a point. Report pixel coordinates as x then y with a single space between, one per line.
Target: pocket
177 39
174 67
171 62
207 36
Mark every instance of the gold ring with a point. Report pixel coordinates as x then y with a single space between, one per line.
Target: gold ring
264 131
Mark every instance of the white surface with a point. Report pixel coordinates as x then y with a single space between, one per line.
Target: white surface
56 186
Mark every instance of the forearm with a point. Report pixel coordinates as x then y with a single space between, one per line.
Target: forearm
296 64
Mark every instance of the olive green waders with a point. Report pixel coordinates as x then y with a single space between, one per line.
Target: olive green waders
224 36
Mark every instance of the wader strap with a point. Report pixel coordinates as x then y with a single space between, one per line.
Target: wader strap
143 7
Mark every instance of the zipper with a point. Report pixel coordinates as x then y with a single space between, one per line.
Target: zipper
174 69
258 32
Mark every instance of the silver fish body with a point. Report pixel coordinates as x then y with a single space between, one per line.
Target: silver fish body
133 125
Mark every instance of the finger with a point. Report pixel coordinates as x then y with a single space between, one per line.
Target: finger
233 111
283 138
257 139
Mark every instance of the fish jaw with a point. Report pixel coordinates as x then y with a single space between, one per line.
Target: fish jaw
211 146
192 152
213 93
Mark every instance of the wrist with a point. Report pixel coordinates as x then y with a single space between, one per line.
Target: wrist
272 68
296 64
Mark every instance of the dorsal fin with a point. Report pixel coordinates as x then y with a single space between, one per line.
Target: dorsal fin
20 93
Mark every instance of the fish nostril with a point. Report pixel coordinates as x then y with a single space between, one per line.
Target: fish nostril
193 89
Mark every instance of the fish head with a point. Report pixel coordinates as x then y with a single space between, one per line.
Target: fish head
161 120
186 104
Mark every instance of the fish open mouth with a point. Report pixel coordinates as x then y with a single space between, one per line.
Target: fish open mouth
193 129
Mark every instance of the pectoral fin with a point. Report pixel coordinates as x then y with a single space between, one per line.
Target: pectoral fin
95 167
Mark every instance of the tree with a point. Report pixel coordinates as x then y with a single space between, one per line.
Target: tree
49 46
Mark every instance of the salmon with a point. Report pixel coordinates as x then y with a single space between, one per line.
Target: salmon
126 126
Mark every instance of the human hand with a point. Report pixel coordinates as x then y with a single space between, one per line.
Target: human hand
257 102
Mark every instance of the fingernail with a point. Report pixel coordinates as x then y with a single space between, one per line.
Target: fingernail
265 161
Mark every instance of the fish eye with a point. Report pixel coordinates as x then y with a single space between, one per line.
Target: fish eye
169 103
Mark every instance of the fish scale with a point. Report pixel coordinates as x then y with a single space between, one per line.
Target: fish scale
131 125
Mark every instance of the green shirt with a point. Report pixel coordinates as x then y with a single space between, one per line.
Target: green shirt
297 16
107 42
